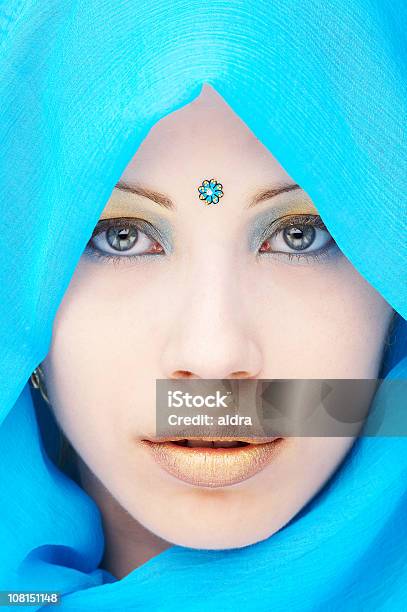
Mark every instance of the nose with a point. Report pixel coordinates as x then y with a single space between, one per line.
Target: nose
210 335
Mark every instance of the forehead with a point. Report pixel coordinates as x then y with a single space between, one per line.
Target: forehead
203 139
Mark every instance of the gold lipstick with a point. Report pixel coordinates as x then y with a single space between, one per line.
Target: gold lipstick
213 462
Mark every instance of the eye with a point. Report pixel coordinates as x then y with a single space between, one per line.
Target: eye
300 236
115 239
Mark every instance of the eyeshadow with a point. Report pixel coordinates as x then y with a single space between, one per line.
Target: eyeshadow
263 220
135 207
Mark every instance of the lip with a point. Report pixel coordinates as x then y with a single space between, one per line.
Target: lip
213 467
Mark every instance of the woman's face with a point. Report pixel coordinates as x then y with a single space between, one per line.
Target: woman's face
204 291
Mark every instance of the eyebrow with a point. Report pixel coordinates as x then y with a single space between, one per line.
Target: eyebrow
166 202
271 192
156 197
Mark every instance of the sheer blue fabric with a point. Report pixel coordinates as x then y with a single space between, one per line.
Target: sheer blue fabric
324 87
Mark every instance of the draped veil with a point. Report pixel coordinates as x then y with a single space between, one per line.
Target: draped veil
323 86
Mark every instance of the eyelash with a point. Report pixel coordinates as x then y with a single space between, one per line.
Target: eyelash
153 234
123 223
293 221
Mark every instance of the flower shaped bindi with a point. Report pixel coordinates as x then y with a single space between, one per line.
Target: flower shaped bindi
210 191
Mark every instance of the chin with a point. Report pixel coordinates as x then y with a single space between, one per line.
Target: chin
220 537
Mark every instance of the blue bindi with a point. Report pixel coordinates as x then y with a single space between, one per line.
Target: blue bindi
210 191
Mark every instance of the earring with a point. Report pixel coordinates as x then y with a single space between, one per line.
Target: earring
37 381
64 452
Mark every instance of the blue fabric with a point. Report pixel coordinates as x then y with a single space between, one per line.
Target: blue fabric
324 87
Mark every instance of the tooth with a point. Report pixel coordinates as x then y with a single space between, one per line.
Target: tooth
204 443
180 442
225 444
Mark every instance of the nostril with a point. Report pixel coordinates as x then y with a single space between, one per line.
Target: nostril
183 374
240 374
188 374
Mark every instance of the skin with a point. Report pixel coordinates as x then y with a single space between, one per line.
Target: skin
213 307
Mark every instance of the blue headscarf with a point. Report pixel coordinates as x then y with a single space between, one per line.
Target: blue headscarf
323 86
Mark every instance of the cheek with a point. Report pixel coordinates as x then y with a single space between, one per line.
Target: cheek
100 369
308 463
319 320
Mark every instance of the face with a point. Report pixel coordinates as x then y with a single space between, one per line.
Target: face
171 287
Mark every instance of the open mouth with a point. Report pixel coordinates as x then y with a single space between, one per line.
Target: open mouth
209 443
